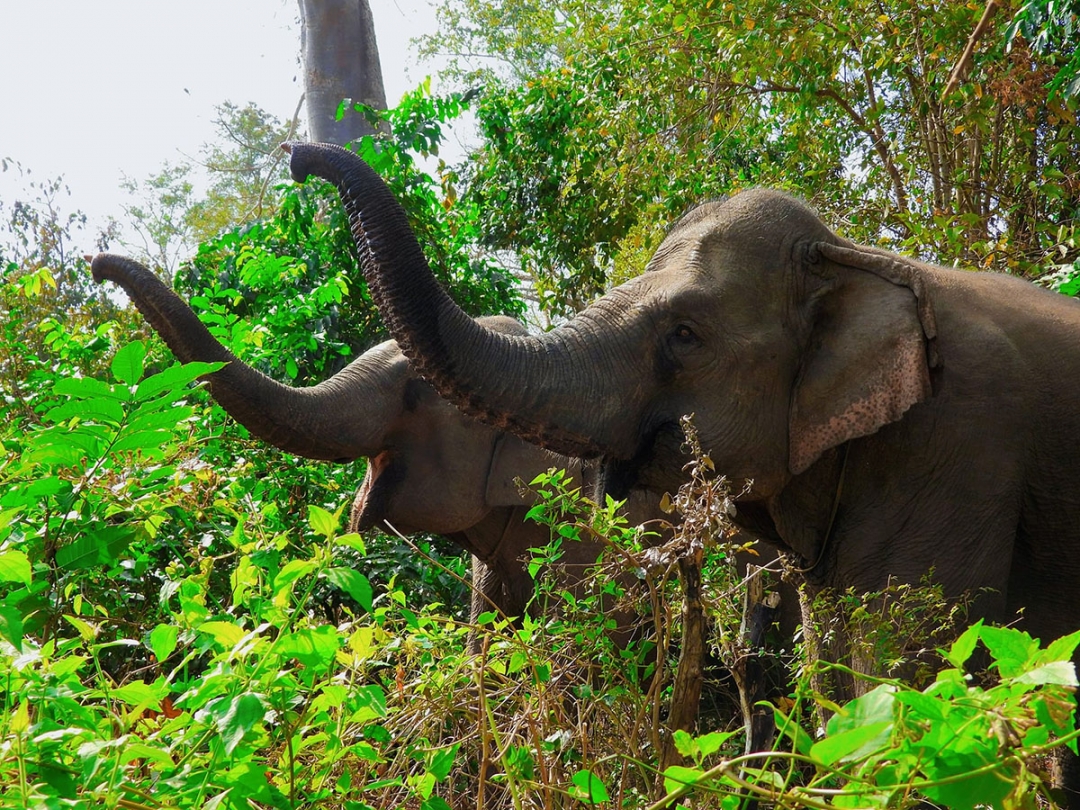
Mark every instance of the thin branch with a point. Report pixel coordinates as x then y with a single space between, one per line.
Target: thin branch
964 63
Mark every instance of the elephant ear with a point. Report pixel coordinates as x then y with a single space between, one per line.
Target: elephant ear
870 353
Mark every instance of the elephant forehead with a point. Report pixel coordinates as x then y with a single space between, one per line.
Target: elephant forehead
757 221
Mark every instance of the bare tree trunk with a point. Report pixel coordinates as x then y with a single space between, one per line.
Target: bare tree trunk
341 61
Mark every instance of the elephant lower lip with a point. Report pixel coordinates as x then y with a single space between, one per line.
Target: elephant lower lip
370 504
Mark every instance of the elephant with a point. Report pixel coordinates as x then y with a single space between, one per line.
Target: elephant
431 469
888 417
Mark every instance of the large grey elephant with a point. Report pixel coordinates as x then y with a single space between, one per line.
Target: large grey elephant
431 469
894 417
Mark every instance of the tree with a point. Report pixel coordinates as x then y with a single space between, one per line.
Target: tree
638 110
341 64
244 166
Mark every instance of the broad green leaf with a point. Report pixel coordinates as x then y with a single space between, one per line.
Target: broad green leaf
964 646
800 740
370 703
83 552
923 706
15 567
686 745
312 647
98 409
226 634
133 751
352 540
855 743
236 717
150 442
163 641
140 694
149 420
709 744
102 545
1011 649
1062 673
1062 649
88 388
677 777
291 572
354 584
11 626
127 364
174 378
876 706
441 761
85 630
321 521
588 788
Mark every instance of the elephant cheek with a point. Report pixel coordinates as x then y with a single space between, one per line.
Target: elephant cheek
371 506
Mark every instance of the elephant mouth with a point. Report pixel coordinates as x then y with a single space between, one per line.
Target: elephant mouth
372 502
643 470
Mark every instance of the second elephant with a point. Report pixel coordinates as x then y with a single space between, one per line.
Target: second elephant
431 469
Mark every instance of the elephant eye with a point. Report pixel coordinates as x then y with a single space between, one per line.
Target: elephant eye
684 335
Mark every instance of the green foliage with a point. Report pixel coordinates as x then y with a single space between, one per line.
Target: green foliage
958 743
613 117
1052 29
287 294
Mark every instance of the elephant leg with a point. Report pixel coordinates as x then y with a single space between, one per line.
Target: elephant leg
488 593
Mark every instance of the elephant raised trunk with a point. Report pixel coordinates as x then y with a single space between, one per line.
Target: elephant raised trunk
337 420
565 390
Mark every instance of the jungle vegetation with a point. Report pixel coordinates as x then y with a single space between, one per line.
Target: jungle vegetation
185 623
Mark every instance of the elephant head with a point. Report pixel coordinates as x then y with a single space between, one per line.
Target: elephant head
781 339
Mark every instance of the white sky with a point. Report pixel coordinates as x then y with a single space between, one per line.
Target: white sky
96 89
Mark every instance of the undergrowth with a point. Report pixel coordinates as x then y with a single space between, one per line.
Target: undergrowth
161 647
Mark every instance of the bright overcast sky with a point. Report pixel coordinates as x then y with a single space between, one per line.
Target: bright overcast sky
96 89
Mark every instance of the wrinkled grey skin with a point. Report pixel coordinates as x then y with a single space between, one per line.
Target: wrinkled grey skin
936 410
431 469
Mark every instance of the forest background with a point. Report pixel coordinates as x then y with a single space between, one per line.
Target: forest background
183 623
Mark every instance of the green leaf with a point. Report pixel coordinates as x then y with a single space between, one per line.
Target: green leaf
98 409
1062 673
291 572
710 743
686 745
441 761
354 583
964 646
163 641
225 634
322 522
175 378
11 626
88 388
876 706
141 695
314 648
800 740
676 778
370 703
352 540
127 364
235 718
99 546
1010 648
588 788
1062 649
852 744
15 567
